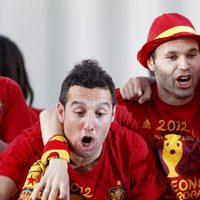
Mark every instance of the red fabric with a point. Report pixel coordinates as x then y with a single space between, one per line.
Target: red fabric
126 164
14 113
22 152
157 121
35 113
165 22
126 170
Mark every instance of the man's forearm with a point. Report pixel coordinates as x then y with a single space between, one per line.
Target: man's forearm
7 188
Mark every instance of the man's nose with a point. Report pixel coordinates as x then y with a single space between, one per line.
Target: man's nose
183 63
89 123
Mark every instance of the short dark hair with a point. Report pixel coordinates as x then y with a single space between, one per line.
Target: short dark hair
87 74
12 66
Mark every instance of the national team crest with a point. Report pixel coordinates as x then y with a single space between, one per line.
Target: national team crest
118 193
25 193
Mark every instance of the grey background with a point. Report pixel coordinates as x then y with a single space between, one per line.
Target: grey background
55 34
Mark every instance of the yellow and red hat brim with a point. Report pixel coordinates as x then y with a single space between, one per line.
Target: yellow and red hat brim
166 27
147 49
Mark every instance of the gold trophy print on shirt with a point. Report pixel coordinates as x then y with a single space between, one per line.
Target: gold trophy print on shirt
172 153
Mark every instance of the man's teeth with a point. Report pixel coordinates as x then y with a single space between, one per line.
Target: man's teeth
183 79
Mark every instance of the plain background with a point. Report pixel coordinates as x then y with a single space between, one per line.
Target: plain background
53 35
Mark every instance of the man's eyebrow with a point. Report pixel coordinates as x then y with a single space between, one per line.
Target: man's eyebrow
189 50
171 52
104 103
77 102
81 102
194 49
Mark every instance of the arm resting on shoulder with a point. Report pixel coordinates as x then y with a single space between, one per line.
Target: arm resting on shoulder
56 178
50 124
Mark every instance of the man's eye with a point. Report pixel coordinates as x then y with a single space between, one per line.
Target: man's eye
172 57
191 55
100 114
79 113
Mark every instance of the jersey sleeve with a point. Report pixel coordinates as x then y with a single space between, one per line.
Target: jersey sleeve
55 148
15 114
21 153
126 112
147 183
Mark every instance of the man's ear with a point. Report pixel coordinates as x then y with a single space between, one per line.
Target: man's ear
60 112
150 63
113 113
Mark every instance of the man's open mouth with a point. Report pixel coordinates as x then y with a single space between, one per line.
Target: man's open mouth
184 81
86 140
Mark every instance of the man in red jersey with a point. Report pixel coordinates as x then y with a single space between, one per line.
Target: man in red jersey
107 161
169 121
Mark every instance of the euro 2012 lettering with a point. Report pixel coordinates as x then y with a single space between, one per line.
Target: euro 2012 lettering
186 188
76 189
172 126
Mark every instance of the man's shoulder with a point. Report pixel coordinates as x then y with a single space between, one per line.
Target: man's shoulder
124 136
31 136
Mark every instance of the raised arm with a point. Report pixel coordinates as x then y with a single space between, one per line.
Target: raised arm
56 179
137 88
49 123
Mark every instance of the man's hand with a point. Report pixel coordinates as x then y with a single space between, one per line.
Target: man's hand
55 181
56 178
50 172
138 89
